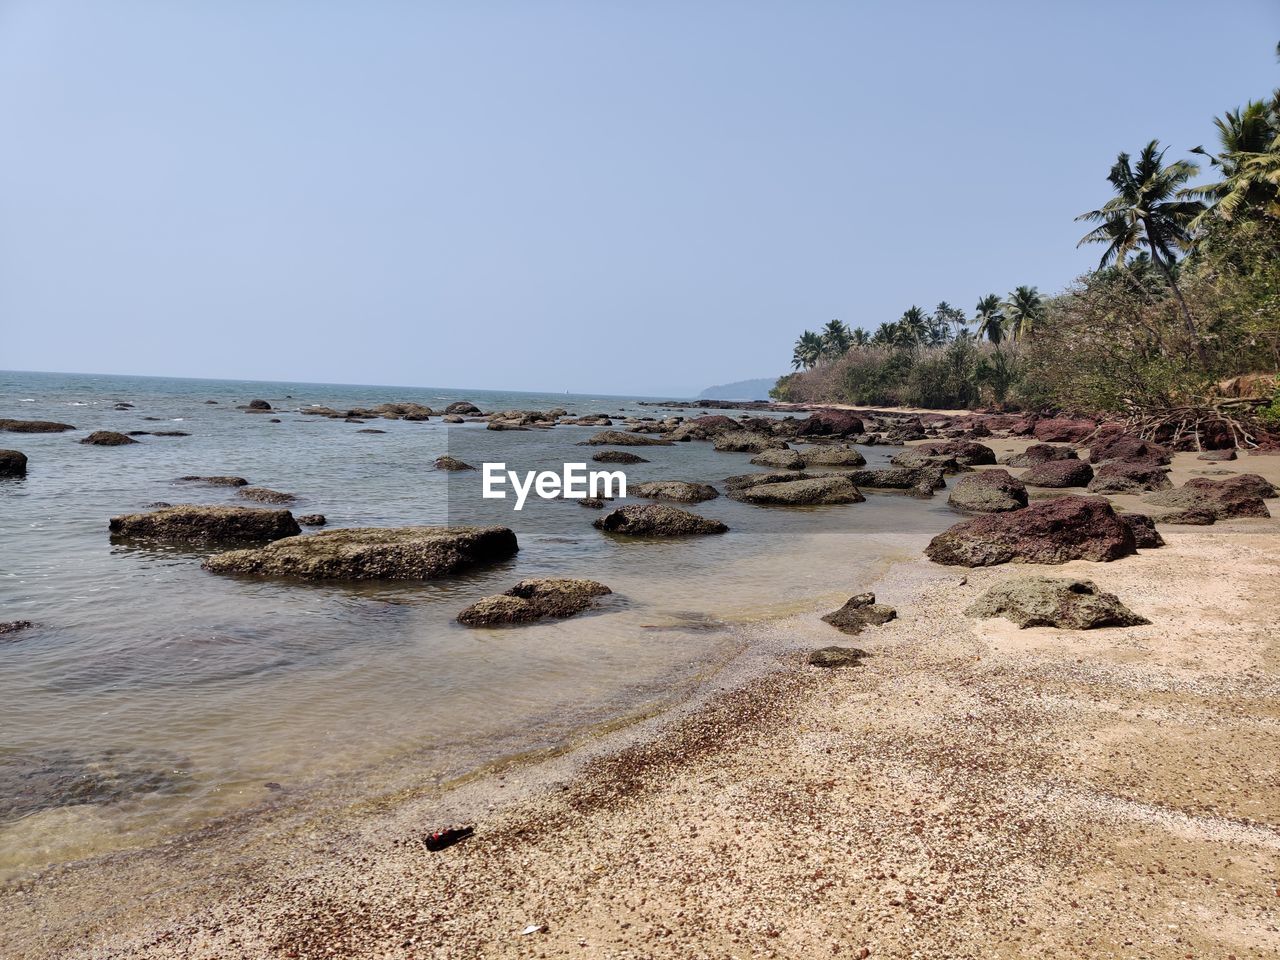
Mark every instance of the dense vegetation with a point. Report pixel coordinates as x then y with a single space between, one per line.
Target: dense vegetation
1186 296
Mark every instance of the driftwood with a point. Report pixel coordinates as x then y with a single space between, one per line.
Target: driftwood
1176 426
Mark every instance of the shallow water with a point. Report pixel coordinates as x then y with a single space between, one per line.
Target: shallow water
153 696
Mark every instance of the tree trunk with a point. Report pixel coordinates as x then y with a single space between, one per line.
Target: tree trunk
1187 319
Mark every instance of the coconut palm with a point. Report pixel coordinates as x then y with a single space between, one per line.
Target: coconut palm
913 326
835 339
988 318
859 337
1249 141
948 321
1023 310
886 335
808 351
1150 209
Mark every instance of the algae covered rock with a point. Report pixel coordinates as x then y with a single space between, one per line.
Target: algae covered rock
679 491
657 520
107 438
990 491
204 525
859 612
530 600
1055 602
832 657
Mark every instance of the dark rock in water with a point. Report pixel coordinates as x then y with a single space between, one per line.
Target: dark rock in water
34 426
31 783
452 463
14 626
215 481
839 456
452 418
809 491
1063 430
373 553
967 453
620 438
1055 602
1125 447
461 408
785 459
201 525
860 612
1119 476
370 430
1145 535
679 491
170 433
1240 496
259 405
274 420
122 405
312 520
831 657
1218 456
503 425
530 600
919 481
107 438
743 442
657 520
158 505
139 433
830 423
988 491
705 428
211 401
595 503
13 463
915 458
1059 473
265 495
617 456
1066 528
1041 453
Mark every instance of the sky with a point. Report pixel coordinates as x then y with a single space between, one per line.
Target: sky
626 198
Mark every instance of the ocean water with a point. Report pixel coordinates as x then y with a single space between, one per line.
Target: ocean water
152 697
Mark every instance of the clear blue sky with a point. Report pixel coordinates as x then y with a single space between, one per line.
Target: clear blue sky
594 196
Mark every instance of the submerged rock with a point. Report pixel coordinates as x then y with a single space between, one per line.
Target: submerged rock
107 438
860 612
259 405
620 438
785 459
1055 602
1055 531
452 463
265 495
199 525
679 491
34 426
14 626
13 463
1058 474
372 553
831 657
215 481
839 456
617 456
530 600
989 491
811 491
657 520
33 782
594 503
1041 453
744 442
312 519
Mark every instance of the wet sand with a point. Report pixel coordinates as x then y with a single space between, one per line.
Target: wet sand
970 790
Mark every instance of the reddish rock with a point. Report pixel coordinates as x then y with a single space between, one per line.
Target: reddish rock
1041 453
1063 430
1120 476
1127 447
988 491
1059 473
830 423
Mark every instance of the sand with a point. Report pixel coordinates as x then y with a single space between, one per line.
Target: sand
970 790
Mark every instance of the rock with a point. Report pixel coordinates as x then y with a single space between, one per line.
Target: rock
1058 473
462 408
1041 453
919 481
372 553
1218 456
785 459
452 418
620 438
860 612
265 495
170 433
452 463
743 442
215 481
14 626
657 520
34 426
370 430
680 491
1055 602
1240 496
157 505
1125 447
595 503
913 458
905 430
1055 531
809 491
13 463
1246 483
988 491
1145 535
830 423
530 600
967 453
259 405
1063 430
832 657
107 438
705 428
312 520
617 456
31 783
504 425
1119 476
1199 518
197 525
841 456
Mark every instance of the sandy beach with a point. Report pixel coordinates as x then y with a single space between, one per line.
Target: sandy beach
970 790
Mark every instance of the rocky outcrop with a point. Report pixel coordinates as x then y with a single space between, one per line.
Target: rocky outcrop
834 657
918 481
14 626
1055 531
1201 498
1145 534
452 463
1063 430
807 491
841 456
1055 602
204 525
107 438
657 520
1058 473
621 438
1119 476
265 495
462 408
860 612
34 426
743 442
784 459
679 491
1039 453
617 456
1125 447
967 453
372 553
312 519
1218 456
593 503
988 491
830 423
13 463
259 405
704 428
215 481
531 600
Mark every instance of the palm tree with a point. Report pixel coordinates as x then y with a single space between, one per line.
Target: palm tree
886 335
913 326
808 351
1249 139
948 321
1023 310
835 339
988 317
1149 209
859 337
